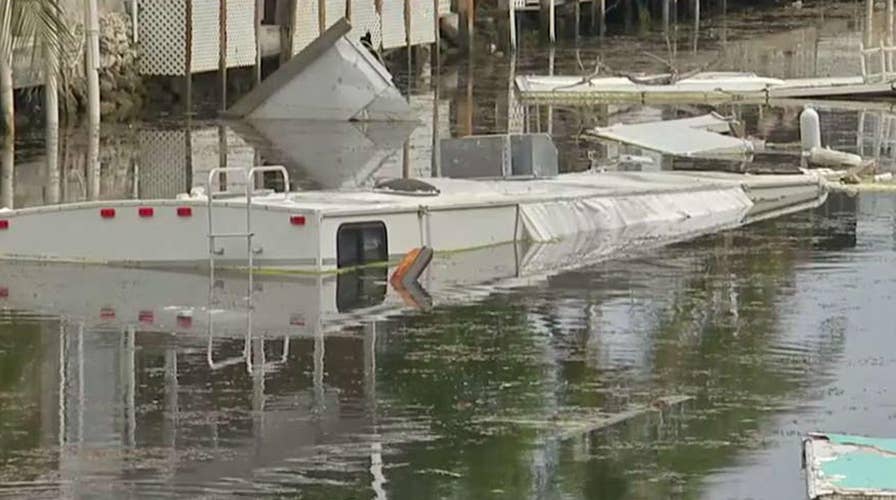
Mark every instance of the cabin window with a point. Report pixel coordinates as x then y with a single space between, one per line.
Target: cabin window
361 243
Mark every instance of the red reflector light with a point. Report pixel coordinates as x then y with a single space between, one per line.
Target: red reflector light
107 213
146 317
4 293
184 212
184 321
146 211
107 313
4 224
297 220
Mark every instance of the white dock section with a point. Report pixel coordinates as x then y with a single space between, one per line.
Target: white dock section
703 87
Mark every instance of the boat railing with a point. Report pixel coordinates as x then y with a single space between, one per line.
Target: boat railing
884 54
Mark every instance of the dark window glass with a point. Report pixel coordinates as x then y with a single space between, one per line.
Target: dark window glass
361 243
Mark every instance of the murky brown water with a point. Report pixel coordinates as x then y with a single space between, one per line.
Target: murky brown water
342 390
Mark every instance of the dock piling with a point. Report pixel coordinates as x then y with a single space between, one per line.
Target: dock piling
222 51
869 23
546 17
188 58
259 13
666 15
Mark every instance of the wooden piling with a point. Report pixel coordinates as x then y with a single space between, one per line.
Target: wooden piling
666 15
890 34
437 48
471 23
869 22
466 21
577 18
259 13
511 11
222 50
547 20
601 16
188 58
696 23
322 15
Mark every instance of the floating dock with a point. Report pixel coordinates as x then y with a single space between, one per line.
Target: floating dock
711 88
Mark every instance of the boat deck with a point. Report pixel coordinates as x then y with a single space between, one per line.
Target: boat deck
300 231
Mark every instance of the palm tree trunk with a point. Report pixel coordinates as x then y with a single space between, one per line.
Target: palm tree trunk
91 23
51 103
7 106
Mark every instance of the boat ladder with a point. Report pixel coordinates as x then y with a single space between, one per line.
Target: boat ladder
246 355
250 189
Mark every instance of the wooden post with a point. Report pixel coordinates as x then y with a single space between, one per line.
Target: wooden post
437 48
471 23
602 16
259 13
322 15
890 38
511 10
869 22
222 50
696 23
725 25
188 58
577 17
666 15
92 51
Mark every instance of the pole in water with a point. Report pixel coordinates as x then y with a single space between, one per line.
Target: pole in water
869 22
188 59
222 51
810 129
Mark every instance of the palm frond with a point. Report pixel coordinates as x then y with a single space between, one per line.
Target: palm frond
39 25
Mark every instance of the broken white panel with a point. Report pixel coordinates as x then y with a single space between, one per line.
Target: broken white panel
329 154
334 78
698 136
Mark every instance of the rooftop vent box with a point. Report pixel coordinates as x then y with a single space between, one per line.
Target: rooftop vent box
489 156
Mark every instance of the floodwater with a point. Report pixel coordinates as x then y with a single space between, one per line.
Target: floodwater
138 383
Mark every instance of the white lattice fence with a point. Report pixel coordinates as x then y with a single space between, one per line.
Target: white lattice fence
307 24
163 35
392 19
365 19
163 158
422 23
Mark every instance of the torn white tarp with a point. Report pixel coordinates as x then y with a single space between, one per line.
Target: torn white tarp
698 136
553 220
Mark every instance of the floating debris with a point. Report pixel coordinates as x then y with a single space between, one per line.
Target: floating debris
844 467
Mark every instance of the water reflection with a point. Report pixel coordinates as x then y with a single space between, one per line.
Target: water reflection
109 401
